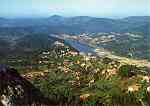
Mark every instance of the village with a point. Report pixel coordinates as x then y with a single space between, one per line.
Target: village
86 70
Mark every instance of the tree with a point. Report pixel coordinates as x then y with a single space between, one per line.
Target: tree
127 70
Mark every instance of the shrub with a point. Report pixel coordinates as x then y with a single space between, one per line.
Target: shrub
127 70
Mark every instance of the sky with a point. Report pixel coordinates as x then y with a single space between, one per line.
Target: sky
97 8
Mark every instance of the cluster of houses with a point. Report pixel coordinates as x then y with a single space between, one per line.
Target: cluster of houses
65 51
61 51
44 57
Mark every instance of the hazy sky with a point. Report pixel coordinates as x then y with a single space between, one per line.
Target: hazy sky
99 8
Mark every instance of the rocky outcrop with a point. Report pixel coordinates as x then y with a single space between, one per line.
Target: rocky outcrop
17 91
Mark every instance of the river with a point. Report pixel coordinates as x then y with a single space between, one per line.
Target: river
81 47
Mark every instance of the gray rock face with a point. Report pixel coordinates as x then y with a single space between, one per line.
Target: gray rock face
17 91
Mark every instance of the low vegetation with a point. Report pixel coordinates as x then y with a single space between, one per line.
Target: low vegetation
87 80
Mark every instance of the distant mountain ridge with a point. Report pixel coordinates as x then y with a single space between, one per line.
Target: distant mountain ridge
138 18
81 24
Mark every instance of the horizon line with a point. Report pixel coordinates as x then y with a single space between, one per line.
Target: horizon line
111 17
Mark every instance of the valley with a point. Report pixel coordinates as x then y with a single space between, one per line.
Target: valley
76 61
90 44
